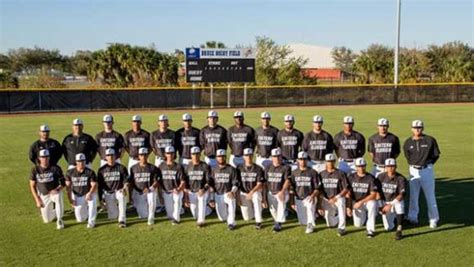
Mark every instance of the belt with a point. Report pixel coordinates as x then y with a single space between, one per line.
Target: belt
318 161
379 165
418 167
347 160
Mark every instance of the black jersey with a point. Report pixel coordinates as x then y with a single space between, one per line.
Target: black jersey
160 140
383 147
304 182
83 143
212 139
81 180
185 139
349 146
317 145
265 140
223 179
48 178
112 178
290 143
240 138
142 177
361 187
250 176
333 183
197 176
392 186
106 140
54 147
421 152
172 176
276 176
136 140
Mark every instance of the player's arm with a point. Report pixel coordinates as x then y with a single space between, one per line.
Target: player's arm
182 180
34 193
32 153
396 147
93 148
370 148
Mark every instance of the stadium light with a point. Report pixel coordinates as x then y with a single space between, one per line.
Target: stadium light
397 44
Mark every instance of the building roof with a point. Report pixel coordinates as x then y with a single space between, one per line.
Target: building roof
322 73
318 56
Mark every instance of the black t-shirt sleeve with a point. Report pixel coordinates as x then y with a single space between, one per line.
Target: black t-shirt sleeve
130 176
60 175
181 175
32 153
361 147
370 145
261 176
235 177
435 152
396 147
305 144
93 176
33 174
373 185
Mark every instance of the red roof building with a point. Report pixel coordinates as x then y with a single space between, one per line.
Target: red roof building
323 74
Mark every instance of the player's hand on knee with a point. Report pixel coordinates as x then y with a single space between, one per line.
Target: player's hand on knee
39 203
200 192
357 205
332 200
321 212
293 206
281 196
349 212
264 204
386 209
212 204
248 196
230 195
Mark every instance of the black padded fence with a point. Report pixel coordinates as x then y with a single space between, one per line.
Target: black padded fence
17 101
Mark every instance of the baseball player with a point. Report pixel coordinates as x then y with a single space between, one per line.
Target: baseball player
381 146
252 179
240 136
212 137
305 184
334 190
112 179
393 191
79 142
44 142
225 182
363 191
349 145
290 140
317 143
144 178
109 138
82 187
162 138
134 139
197 176
46 184
265 141
422 152
172 184
277 183
186 138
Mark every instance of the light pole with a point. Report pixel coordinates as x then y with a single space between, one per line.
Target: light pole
397 44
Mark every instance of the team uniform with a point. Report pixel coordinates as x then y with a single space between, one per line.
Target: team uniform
75 144
212 139
53 146
141 178
172 176
360 188
392 187
317 145
224 180
333 183
111 184
249 177
349 147
197 177
265 141
382 148
275 177
48 179
290 143
133 142
107 140
158 141
303 183
422 154
185 139
81 185
239 138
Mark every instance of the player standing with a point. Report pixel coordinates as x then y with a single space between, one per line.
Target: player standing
135 139
212 137
79 142
109 138
239 137
45 142
290 140
317 143
186 138
349 145
161 138
381 146
265 141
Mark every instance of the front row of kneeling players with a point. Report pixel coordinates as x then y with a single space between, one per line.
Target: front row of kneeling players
328 193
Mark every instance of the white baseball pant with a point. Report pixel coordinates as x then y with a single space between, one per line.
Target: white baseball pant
305 211
198 205
88 165
235 161
145 204
212 162
398 208
225 208
335 214
184 162
367 212
173 203
116 205
251 208
85 209
423 179
377 170
277 207
158 161
104 162
318 166
49 211
131 162
263 162
347 167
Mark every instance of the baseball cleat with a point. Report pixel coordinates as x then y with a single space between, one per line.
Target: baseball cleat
231 227
277 227
433 225
151 222
159 209
122 225
258 226
309 229
398 235
370 234
90 225
174 222
341 232
60 225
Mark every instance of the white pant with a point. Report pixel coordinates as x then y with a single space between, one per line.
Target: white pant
318 166
347 167
48 212
335 214
263 162
116 203
211 162
292 164
398 208
367 212
198 205
158 161
88 165
184 162
423 179
225 208
277 207
235 161
131 162
145 204
85 209
305 211
173 203
251 208
376 170
103 162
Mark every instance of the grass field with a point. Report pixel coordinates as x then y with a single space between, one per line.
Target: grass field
25 240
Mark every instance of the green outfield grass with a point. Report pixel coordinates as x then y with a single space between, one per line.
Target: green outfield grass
25 240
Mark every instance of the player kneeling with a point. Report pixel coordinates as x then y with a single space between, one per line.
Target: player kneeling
393 189
335 188
46 183
251 185
224 181
144 179
363 192
82 186
112 182
197 176
305 184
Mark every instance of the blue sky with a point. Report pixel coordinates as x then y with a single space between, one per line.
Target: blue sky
81 24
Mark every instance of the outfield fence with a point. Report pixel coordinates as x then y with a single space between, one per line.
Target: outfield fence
50 100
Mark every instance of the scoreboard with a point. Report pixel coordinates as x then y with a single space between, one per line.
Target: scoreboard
220 65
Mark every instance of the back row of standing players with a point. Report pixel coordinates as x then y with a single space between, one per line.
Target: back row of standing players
421 150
